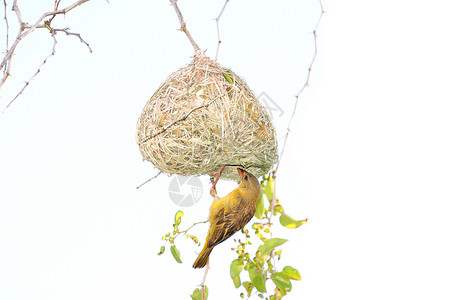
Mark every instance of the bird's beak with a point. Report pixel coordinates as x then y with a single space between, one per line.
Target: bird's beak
240 173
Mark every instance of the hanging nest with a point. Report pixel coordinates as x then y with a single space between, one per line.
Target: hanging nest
202 117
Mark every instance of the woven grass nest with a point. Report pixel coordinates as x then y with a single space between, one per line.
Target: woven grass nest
202 117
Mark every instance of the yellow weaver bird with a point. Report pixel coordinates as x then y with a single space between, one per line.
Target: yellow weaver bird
229 214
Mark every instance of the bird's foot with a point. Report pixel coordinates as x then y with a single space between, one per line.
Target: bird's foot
213 189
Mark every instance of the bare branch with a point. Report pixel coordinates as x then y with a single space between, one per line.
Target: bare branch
35 74
26 29
217 20
150 179
306 84
36 24
297 97
65 30
183 26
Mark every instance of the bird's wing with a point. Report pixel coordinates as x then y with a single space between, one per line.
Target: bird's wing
228 221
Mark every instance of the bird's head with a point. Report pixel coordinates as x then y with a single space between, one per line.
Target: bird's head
248 181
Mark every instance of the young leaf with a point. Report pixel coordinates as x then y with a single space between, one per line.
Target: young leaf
197 293
278 293
278 253
248 287
236 267
260 208
290 222
266 248
162 249
291 272
228 78
278 208
269 189
257 277
176 254
282 281
178 217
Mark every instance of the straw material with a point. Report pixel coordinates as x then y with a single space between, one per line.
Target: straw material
202 117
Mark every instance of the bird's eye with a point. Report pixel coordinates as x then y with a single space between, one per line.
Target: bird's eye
246 177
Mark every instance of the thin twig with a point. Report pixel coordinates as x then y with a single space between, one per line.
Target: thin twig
149 180
194 224
183 25
176 121
314 57
65 30
217 20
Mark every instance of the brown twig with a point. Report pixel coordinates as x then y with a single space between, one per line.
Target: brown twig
183 25
176 121
7 25
217 20
297 96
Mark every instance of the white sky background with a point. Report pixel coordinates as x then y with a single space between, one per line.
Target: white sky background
368 161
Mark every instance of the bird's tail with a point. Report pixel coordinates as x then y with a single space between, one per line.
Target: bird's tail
203 257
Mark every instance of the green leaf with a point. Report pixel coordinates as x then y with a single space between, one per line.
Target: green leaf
269 245
292 273
236 281
178 217
162 249
290 222
269 189
197 293
228 78
176 254
257 277
260 208
248 285
236 267
282 281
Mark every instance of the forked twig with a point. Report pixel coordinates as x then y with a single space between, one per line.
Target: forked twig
25 29
35 74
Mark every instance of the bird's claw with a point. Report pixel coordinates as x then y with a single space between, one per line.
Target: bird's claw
213 189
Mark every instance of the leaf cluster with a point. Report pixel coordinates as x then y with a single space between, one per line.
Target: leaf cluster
172 235
261 267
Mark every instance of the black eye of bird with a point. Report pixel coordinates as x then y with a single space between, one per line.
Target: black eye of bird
246 177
